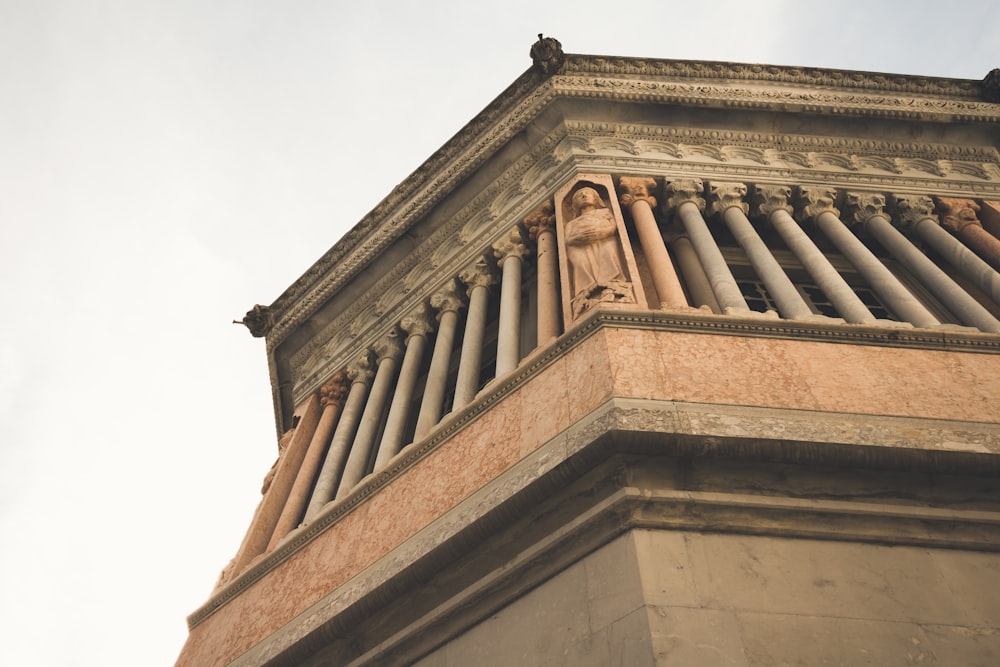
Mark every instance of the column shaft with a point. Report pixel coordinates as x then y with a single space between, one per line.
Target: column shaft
437 376
336 455
694 274
885 284
967 262
665 280
790 303
956 299
841 295
982 242
395 424
357 460
472 347
509 332
724 286
548 287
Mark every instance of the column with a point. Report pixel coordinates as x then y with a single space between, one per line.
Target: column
387 352
331 400
686 203
291 448
968 311
478 277
727 200
416 325
694 275
360 375
640 203
447 301
541 226
958 216
509 252
880 278
916 212
772 203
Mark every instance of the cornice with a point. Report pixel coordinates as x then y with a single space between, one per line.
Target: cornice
728 85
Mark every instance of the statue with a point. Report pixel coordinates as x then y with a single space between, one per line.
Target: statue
592 249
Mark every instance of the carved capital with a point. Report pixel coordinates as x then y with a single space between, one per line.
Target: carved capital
991 86
863 206
511 245
448 298
727 195
769 199
361 369
957 214
547 55
418 323
637 188
389 346
815 200
334 390
540 220
258 320
478 274
683 191
911 209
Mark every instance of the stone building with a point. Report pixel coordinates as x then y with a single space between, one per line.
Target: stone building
653 363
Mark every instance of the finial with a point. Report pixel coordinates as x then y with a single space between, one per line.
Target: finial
991 86
258 320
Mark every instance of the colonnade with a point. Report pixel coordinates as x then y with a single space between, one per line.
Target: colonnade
392 393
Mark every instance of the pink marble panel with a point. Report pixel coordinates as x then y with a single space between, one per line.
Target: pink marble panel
544 406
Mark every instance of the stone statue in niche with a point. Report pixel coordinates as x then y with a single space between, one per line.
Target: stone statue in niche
593 252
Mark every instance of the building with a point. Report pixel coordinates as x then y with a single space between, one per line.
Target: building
653 363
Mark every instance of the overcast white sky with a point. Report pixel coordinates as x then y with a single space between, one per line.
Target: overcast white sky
166 164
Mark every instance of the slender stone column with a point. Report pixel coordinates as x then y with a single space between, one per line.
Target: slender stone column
917 214
416 325
360 374
509 253
880 278
387 351
968 311
772 203
694 275
478 278
541 226
291 448
447 301
331 399
686 202
640 203
958 216
727 200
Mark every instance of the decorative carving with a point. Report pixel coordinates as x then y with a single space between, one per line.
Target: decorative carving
361 369
863 206
684 190
478 274
815 200
334 390
448 298
593 252
991 86
769 199
418 323
541 219
957 213
728 195
637 188
547 55
512 245
911 209
258 320
389 346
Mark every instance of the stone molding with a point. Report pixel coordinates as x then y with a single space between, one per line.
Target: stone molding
639 427
591 323
891 96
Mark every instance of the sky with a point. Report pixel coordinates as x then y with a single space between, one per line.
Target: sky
167 164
